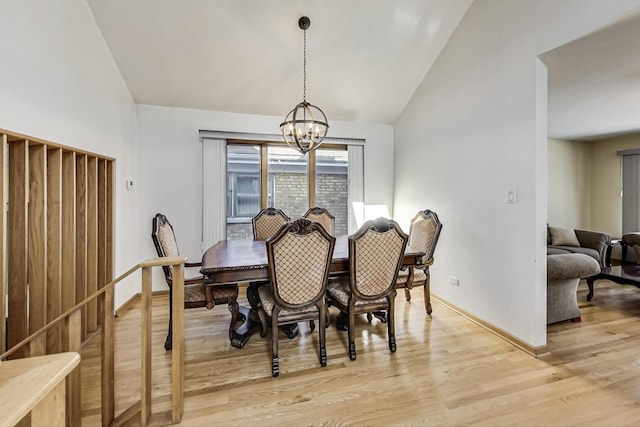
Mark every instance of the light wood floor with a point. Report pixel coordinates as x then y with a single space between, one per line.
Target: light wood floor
447 371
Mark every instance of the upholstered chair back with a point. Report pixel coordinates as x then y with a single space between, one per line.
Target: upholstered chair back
164 240
299 259
376 253
424 233
268 222
322 216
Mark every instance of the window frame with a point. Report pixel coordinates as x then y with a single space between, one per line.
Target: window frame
264 168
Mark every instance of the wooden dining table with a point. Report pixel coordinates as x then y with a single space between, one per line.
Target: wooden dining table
245 260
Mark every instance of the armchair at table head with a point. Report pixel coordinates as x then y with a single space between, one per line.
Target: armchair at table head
267 222
423 236
376 251
299 258
195 293
322 216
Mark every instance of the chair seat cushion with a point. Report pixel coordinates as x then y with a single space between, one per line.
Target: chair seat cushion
194 293
403 275
340 291
419 277
268 302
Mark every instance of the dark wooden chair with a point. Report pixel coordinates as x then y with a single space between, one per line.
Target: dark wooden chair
195 293
267 222
423 235
322 216
299 257
376 251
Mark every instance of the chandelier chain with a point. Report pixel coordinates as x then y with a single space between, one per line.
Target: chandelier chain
304 68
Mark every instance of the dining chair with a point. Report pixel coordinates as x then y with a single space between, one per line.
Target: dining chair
423 235
267 222
322 216
196 294
376 251
299 258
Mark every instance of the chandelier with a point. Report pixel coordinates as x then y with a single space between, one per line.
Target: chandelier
306 125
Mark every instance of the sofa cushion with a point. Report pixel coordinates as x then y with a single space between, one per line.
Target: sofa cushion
563 237
579 250
571 266
553 250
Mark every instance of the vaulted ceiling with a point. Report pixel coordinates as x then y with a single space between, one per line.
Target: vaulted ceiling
594 83
364 59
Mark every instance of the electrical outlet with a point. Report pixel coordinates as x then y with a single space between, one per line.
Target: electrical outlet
454 281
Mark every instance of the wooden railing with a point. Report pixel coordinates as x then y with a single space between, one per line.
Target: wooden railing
72 335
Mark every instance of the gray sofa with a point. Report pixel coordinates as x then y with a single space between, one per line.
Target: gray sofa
564 272
592 243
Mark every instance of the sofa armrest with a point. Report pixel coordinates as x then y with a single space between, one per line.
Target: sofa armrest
594 240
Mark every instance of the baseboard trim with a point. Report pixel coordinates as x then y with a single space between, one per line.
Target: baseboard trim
535 351
135 298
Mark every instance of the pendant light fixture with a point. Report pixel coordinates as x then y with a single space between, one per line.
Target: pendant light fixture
306 125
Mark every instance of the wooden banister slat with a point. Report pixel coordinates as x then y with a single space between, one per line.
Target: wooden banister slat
71 338
145 391
37 253
177 351
17 245
108 358
54 247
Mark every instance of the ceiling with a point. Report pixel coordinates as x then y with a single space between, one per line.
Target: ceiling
594 84
363 62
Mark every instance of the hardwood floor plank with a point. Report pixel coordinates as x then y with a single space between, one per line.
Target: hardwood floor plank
447 371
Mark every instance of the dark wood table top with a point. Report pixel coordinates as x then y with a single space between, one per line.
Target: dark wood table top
231 261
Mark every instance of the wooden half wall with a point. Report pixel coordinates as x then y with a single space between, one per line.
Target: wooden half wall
56 237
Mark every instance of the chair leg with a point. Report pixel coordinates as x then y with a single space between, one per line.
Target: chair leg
352 335
275 362
391 326
327 317
168 343
427 295
407 294
264 322
322 333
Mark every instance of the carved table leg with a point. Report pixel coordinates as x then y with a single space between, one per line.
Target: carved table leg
248 316
251 321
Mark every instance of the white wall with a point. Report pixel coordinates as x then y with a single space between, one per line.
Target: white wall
170 167
475 128
59 82
569 195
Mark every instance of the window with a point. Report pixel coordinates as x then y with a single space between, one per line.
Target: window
332 185
288 170
292 182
